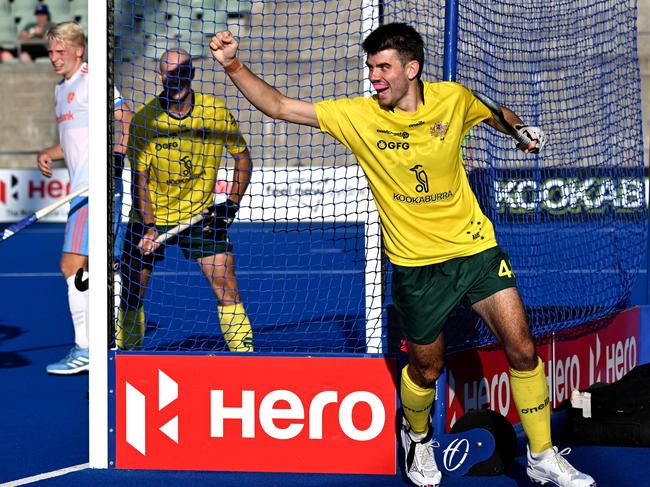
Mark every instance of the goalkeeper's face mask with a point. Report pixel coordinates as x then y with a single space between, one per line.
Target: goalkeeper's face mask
177 81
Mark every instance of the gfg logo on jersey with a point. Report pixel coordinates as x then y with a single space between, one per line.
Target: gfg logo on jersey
208 412
383 145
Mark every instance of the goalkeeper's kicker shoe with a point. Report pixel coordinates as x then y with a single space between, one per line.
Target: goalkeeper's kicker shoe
420 464
76 361
550 467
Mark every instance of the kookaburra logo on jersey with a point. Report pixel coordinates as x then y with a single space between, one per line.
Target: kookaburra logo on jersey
187 164
422 178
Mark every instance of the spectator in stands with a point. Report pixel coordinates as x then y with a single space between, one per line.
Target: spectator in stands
66 47
176 144
37 32
6 55
442 247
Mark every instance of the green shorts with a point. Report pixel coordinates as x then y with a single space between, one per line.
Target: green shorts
195 242
425 296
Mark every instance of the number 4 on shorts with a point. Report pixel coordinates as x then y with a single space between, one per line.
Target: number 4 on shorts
505 270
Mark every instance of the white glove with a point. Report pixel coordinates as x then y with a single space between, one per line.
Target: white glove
533 133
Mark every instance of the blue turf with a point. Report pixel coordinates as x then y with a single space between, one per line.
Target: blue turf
44 419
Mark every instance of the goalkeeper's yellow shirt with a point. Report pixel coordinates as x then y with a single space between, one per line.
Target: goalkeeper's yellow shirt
182 155
414 168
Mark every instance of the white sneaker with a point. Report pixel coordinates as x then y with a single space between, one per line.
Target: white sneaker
419 462
551 467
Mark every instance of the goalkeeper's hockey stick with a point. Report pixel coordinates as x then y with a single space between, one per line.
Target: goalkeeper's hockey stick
497 111
43 212
181 227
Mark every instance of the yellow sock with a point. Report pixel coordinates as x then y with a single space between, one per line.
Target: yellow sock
530 394
236 328
129 333
417 402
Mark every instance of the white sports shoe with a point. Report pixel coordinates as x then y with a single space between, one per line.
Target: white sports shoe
551 467
419 462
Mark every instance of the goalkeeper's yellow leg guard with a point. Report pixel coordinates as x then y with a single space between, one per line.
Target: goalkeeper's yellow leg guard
129 333
416 402
530 394
236 328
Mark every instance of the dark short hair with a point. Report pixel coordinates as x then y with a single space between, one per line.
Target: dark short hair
401 37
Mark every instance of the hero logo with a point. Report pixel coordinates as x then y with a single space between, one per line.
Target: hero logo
455 454
617 360
268 414
136 420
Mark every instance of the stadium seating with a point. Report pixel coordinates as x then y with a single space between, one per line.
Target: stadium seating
60 9
7 28
148 27
23 13
79 12
236 7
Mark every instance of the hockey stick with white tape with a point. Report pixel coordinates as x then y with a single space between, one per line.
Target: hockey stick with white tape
172 232
43 212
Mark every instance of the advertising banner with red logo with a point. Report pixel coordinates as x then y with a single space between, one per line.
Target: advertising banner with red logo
253 413
604 355
574 359
24 191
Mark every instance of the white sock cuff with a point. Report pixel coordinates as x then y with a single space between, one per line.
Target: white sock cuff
78 301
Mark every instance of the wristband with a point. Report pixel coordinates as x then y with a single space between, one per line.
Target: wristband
234 66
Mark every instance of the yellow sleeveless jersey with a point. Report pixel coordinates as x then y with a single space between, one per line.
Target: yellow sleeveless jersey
414 168
182 155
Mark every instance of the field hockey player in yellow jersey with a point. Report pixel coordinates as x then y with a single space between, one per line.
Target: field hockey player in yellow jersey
407 139
176 145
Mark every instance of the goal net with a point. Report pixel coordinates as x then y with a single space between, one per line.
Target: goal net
306 239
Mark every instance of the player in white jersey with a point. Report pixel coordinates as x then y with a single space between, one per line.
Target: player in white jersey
66 47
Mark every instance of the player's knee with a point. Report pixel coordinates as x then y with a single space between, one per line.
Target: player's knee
228 297
522 356
132 299
68 269
425 375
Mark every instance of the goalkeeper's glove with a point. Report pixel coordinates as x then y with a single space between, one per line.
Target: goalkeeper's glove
223 214
533 133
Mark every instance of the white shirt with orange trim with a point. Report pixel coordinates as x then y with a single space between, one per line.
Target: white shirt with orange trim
71 109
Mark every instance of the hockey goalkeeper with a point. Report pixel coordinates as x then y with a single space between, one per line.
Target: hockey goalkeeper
176 143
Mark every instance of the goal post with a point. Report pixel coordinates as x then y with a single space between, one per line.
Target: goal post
98 288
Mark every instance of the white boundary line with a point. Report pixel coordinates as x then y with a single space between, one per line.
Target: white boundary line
45 476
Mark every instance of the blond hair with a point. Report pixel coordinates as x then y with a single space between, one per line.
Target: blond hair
68 32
